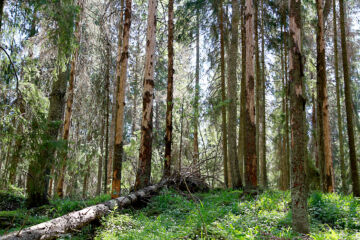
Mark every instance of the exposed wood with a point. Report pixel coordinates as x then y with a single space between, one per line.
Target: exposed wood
121 76
71 222
144 166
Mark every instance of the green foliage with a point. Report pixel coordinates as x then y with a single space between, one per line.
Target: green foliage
12 199
221 215
337 211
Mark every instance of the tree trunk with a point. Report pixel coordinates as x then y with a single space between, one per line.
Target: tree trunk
263 105
326 165
121 75
348 100
39 170
170 89
107 115
232 95
70 100
70 222
338 103
18 143
300 221
241 147
101 157
250 133
258 82
223 97
144 167
114 112
197 98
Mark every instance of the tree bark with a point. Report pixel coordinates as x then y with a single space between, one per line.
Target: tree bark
263 105
300 221
326 165
338 103
144 167
69 102
241 147
60 226
170 89
39 170
348 100
121 76
232 95
223 96
250 133
258 82
197 97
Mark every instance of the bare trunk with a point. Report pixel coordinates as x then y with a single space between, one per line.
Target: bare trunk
196 98
223 97
250 133
2 4
101 157
326 165
338 103
263 112
144 167
69 102
258 82
348 100
121 76
170 89
300 221
232 95
241 147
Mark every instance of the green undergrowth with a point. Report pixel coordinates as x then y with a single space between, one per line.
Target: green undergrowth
222 215
19 218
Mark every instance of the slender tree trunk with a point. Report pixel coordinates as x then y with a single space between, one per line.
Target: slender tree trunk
114 112
326 165
338 103
263 105
223 96
101 157
348 101
286 110
250 133
232 92
197 98
15 160
69 102
170 89
107 115
300 221
258 81
181 135
144 167
241 147
121 75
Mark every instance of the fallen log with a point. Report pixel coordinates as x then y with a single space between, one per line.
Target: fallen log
73 221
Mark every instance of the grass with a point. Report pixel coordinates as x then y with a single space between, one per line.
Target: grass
21 218
221 215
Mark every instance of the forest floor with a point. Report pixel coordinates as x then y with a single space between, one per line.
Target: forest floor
218 214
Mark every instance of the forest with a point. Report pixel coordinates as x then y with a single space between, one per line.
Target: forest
179 119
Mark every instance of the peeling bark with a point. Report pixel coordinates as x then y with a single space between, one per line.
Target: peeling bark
144 167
